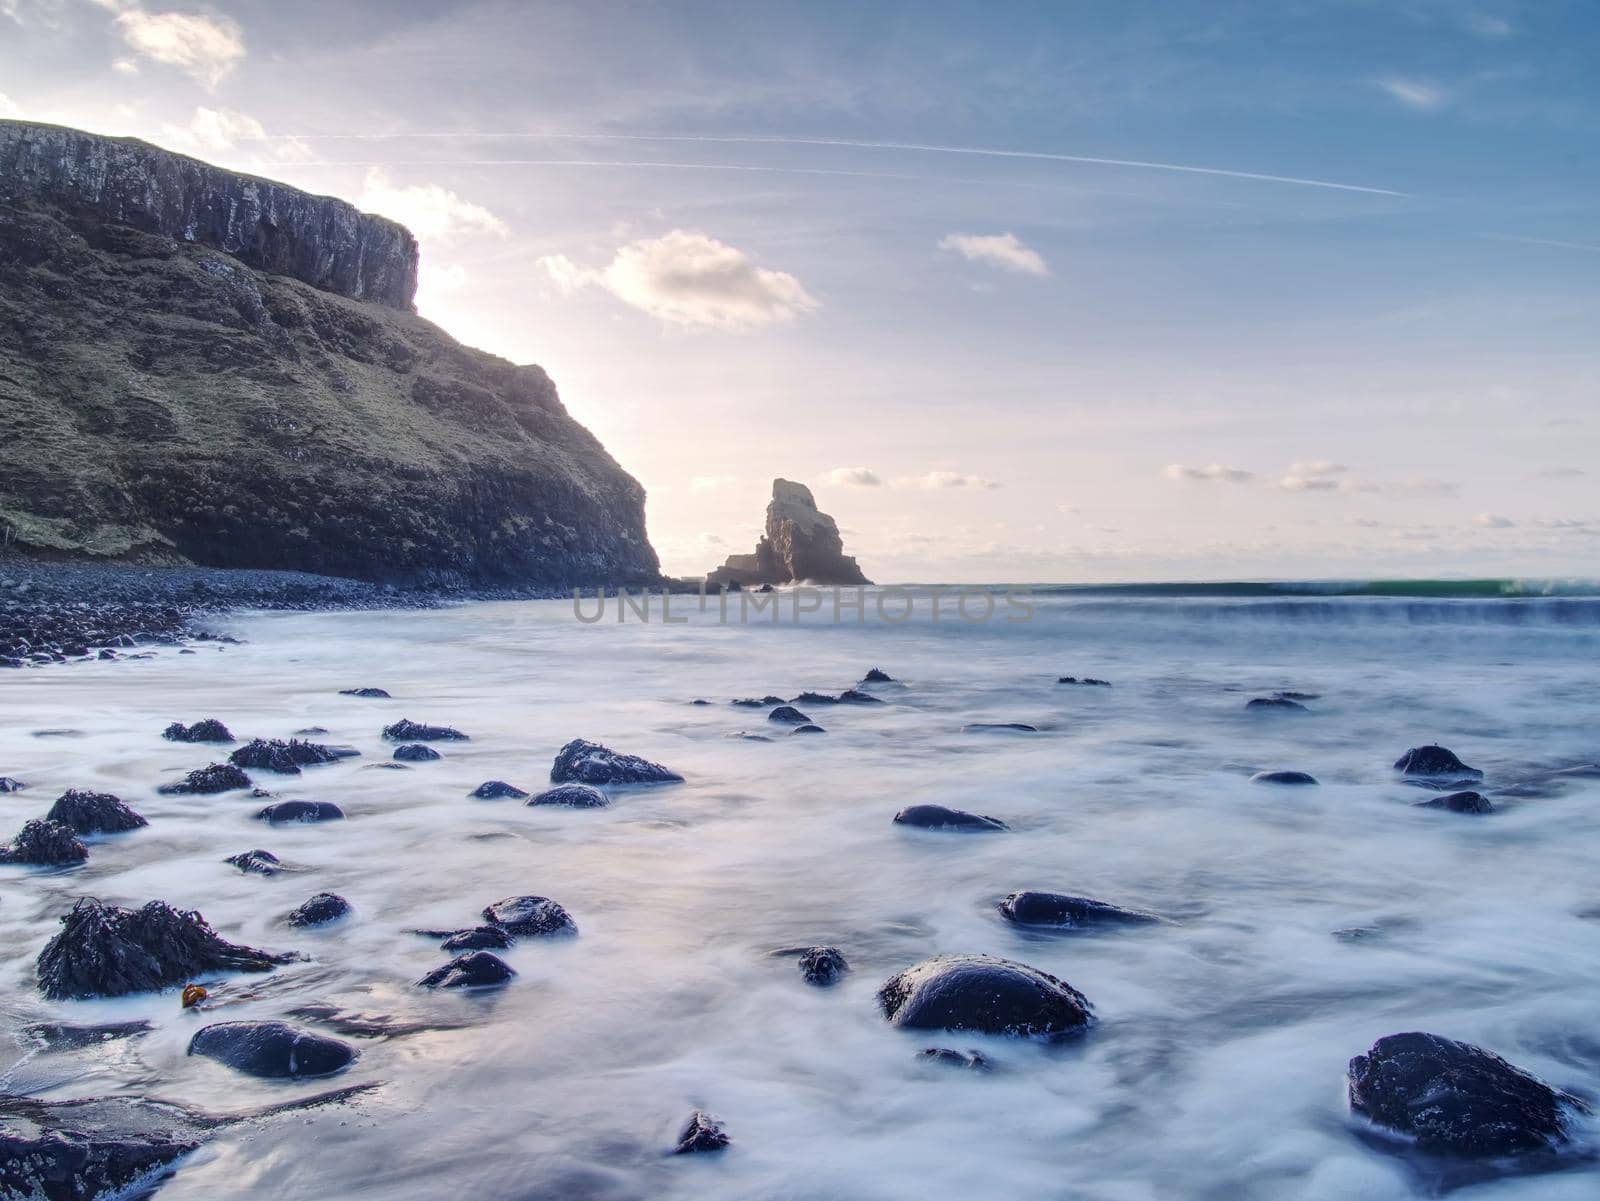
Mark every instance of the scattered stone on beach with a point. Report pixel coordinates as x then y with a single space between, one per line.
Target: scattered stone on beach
94 813
1057 911
280 812
940 817
877 676
1435 761
999 727
365 693
475 969
256 863
44 844
983 993
581 762
530 917
208 781
496 790
1454 1098
854 696
788 715
272 1050
209 730
320 910
479 938
106 951
11 784
406 730
286 758
573 796
1086 681
1283 777
946 1057
416 752
701 1133
1276 702
822 966
1459 802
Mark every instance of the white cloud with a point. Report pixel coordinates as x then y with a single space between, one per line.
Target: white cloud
1315 476
1414 93
945 479
1005 251
690 279
1214 472
858 477
213 130
203 47
124 66
431 212
9 107
1493 521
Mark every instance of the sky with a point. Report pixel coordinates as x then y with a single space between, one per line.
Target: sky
1050 292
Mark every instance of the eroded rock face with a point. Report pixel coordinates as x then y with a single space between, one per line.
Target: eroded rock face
985 994
800 545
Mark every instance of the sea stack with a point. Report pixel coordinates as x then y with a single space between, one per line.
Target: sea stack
801 545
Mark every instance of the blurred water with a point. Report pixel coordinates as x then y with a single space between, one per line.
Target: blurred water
1216 1069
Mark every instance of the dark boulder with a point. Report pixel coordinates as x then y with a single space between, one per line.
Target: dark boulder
9 784
300 811
93 813
788 715
1436 761
479 938
750 702
808 728
496 790
256 863
1283 777
938 817
581 762
475 969
65 1151
701 1133
854 696
405 730
1459 802
208 781
367 693
999 727
1276 702
983 993
44 844
1457 1099
822 966
814 698
573 796
1057 911
1085 681
209 730
105 951
416 752
530 917
876 676
945 1057
272 1050
321 909
285 758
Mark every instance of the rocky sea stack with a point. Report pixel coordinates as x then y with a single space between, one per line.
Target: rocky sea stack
801 545
202 367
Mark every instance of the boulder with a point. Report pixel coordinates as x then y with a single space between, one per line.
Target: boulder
208 781
285 758
1459 802
479 938
530 917
1437 762
496 790
366 693
44 844
985 994
788 715
822 966
800 545
814 698
93 813
406 730
209 730
1057 911
256 863
939 817
416 752
573 796
280 812
10 784
877 676
320 910
1283 777
581 762
475 969
701 1133
1453 1098
272 1050
105 951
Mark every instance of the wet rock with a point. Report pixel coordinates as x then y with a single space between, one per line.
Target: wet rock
746 736
1457 1099
701 1133
106 951
699 700
1001 727
272 1050
814 698
945 1057
64 1152
285 758
1459 802
44 844
321 909
496 790
788 715
750 702
475 969
416 752
208 781
1054 910
530 917
311 731
209 730
983 993
939 817
300 811
367 693
876 676
10 784
479 938
1085 681
1435 761
1282 777
808 728
1276 702
64 1036
822 966
854 696
573 796
256 863
581 762
405 730
93 813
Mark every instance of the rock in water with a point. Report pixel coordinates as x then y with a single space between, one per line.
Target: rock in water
972 1061
208 781
209 730
1283 777
1058 911
701 1133
822 966
93 813
10 784
1435 761
479 938
573 796
808 728
496 790
301 811
854 696
263 394
476 969
581 762
985 994
416 752
800 545
1276 702
69 1151
938 817
321 909
405 730
788 715
877 676
256 863
999 727
285 758
106 951
1459 802
529 917
44 844
272 1050
1457 1099
365 693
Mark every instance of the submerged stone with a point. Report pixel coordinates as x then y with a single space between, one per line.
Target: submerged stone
808 728
822 966
1283 777
530 917
1276 702
406 730
573 796
416 752
939 817
581 762
256 863
788 715
945 1057
10 784
321 909
93 813
986 994
1085 681
272 1050
854 696
44 844
701 1133
209 730
496 790
208 781
475 969
479 938
300 811
71 1151
367 693
1054 910
1436 761
999 727
1459 802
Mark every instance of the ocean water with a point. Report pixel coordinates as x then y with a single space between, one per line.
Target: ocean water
1215 1069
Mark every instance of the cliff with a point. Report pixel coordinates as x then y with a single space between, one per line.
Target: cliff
800 545
199 367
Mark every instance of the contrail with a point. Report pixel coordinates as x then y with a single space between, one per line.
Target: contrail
1542 242
852 144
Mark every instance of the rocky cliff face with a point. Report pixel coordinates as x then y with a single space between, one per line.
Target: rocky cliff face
197 367
801 545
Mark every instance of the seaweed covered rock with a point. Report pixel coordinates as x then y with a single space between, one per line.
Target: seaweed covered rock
983 993
208 781
209 730
581 762
701 1133
106 951
285 758
93 813
475 969
320 910
416 752
572 796
530 917
271 1050
44 844
1435 762
406 730
256 863
940 817
1058 911
280 812
496 790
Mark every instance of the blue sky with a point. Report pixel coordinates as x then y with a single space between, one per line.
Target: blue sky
861 246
